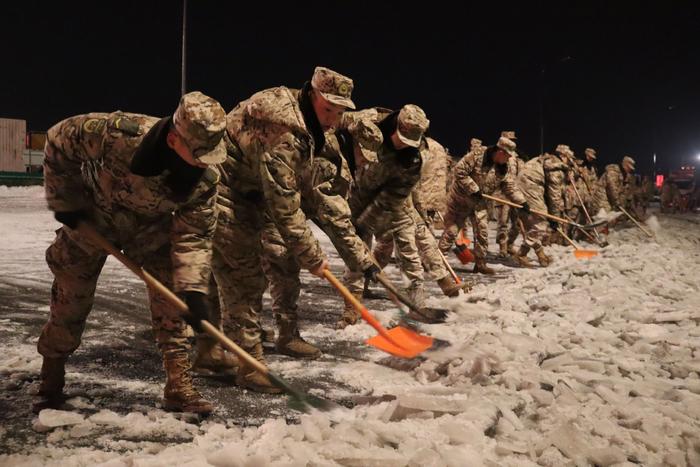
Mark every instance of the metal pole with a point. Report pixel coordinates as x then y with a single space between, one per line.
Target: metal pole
183 76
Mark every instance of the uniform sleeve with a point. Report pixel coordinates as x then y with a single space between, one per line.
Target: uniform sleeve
393 194
462 174
69 144
279 180
333 215
510 188
192 235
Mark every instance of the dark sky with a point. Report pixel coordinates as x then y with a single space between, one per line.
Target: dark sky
631 84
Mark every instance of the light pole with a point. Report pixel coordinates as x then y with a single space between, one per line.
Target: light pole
543 71
183 73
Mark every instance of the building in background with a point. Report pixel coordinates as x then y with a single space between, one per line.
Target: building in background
21 153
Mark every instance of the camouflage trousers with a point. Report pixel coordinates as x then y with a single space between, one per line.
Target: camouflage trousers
282 271
427 249
536 230
508 228
455 219
76 265
403 236
237 268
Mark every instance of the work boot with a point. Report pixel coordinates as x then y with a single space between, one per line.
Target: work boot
291 343
350 315
543 258
212 359
480 266
416 293
520 256
249 378
502 250
448 286
50 394
180 395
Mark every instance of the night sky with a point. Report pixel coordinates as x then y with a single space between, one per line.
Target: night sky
622 77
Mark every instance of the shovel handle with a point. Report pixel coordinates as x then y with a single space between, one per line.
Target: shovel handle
534 211
571 242
366 315
95 237
635 221
455 277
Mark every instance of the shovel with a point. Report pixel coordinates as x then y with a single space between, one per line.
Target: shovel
546 215
299 400
583 205
579 252
636 223
398 341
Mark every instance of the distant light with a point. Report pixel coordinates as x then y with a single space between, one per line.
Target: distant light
698 157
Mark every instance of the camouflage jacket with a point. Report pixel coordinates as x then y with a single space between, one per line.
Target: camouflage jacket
325 201
378 197
615 185
273 136
87 165
474 172
541 180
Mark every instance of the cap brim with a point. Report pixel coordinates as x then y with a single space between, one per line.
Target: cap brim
368 154
215 156
414 143
338 100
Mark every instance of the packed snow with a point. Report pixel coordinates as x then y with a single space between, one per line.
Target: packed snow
586 362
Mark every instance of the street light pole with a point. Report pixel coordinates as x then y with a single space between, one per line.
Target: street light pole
183 74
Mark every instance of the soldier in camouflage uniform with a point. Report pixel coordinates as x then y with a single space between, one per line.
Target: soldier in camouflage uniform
324 200
508 229
616 182
425 241
475 174
378 199
272 138
147 185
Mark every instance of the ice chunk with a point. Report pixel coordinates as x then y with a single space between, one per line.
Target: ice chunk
52 418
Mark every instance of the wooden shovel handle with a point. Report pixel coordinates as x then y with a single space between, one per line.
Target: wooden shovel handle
95 237
635 221
534 211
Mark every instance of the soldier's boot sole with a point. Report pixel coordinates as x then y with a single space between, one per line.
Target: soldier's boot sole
46 401
201 406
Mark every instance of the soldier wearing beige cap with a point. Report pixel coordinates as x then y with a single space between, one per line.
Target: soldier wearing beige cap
152 192
272 138
380 196
475 174
617 182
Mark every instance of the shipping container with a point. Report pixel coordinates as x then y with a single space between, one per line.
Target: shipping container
12 136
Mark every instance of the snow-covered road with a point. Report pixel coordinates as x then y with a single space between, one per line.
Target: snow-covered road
585 362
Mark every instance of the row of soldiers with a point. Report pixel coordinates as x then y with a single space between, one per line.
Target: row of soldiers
215 206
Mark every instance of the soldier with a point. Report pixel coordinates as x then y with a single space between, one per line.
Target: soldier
378 200
148 186
617 181
475 174
506 234
325 202
425 241
271 140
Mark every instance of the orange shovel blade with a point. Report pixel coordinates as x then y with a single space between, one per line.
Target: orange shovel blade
584 254
404 342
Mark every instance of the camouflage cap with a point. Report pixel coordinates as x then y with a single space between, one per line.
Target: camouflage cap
508 145
590 152
411 124
366 134
333 86
509 134
627 160
475 143
564 150
201 122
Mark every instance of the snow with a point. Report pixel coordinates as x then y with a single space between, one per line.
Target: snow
585 362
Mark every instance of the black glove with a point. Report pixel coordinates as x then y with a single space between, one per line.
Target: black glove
198 309
71 218
478 195
525 208
371 272
554 225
